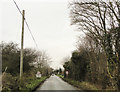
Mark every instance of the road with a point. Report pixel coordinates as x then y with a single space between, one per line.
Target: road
55 83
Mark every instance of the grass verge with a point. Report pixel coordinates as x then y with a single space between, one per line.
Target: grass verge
33 84
27 84
85 86
82 85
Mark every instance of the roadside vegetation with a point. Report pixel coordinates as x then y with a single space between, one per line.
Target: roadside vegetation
34 83
81 85
34 61
97 57
27 84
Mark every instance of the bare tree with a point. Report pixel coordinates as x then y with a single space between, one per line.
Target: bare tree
101 22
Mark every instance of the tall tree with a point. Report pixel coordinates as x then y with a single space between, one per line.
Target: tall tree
99 21
11 58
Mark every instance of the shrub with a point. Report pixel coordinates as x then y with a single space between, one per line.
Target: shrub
9 82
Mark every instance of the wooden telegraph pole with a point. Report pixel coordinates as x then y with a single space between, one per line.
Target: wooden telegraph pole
22 38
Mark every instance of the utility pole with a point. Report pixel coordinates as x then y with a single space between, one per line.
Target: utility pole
22 38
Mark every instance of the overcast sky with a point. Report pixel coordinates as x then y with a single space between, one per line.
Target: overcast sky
49 22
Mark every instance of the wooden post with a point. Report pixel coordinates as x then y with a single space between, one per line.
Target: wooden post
22 38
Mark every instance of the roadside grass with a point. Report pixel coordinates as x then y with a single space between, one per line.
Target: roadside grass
61 76
27 84
82 85
34 83
86 86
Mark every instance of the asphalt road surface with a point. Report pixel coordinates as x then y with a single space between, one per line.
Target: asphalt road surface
55 83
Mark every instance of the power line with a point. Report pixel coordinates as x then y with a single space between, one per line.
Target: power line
17 7
26 24
31 33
